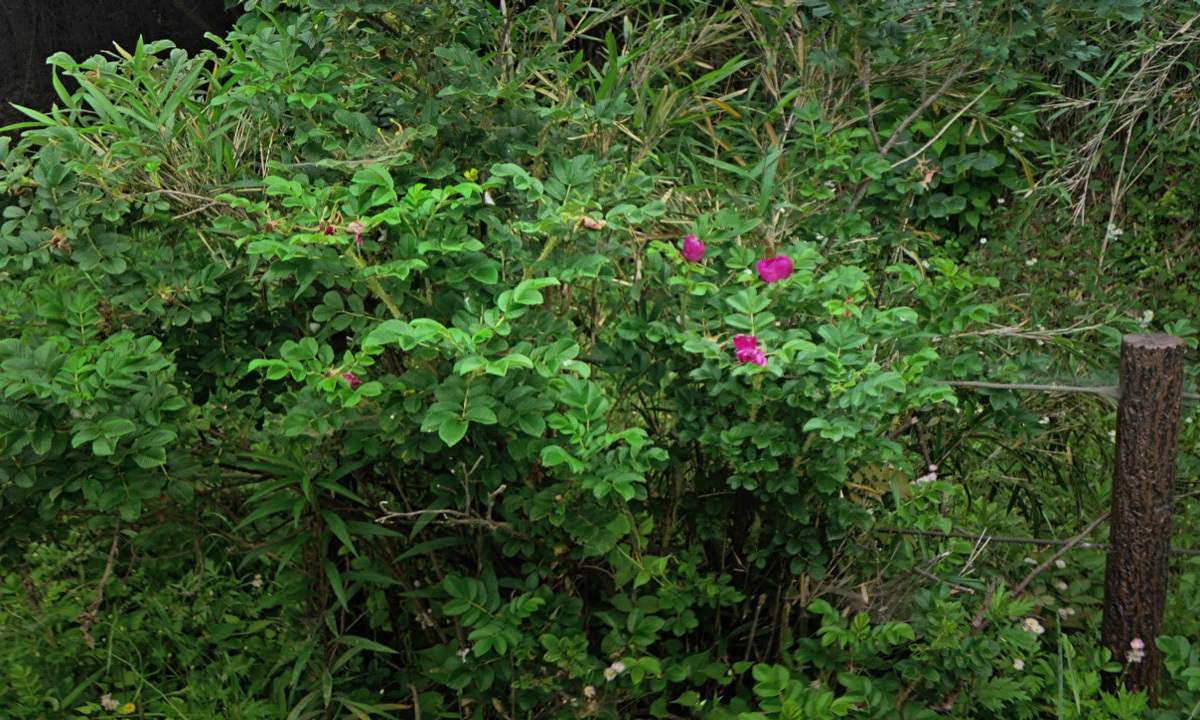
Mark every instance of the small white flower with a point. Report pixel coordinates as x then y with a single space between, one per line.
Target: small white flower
1146 318
1060 564
1137 644
618 666
1031 262
257 582
1029 561
925 264
1044 420
1066 612
1060 586
999 201
1033 626
610 674
983 241
314 327
1018 664
589 692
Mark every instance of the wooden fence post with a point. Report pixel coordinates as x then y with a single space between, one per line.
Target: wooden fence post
1135 578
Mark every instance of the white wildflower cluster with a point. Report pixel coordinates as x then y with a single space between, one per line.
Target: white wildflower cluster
1033 626
1146 318
1031 262
1066 612
1137 651
927 477
612 671
1016 132
1018 664
1112 232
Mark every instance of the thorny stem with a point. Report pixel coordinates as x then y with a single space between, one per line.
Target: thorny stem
377 288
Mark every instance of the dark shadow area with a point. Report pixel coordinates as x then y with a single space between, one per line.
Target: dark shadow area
32 30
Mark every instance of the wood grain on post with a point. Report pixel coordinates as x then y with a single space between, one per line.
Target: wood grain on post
1135 578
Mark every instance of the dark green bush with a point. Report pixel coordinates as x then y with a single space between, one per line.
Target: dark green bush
357 370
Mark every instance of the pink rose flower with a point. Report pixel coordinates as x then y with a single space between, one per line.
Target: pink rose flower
357 228
774 269
354 382
693 249
747 350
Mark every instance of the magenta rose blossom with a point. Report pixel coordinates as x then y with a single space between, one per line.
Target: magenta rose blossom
354 382
357 228
693 249
774 269
747 350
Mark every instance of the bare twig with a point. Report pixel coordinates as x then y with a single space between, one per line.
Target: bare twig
88 617
1061 551
903 126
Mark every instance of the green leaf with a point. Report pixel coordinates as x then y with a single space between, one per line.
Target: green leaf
363 643
338 527
150 457
554 455
335 582
480 414
117 427
180 491
451 430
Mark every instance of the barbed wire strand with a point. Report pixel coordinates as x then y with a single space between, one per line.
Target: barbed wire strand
1106 390
1019 540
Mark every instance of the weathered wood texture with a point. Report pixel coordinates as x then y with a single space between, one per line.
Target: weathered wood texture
1135 580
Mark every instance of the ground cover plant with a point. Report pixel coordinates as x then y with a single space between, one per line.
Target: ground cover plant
436 359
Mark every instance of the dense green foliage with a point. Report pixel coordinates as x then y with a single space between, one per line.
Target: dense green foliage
359 369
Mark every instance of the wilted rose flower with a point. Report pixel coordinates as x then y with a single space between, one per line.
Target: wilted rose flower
354 382
774 269
693 249
357 228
